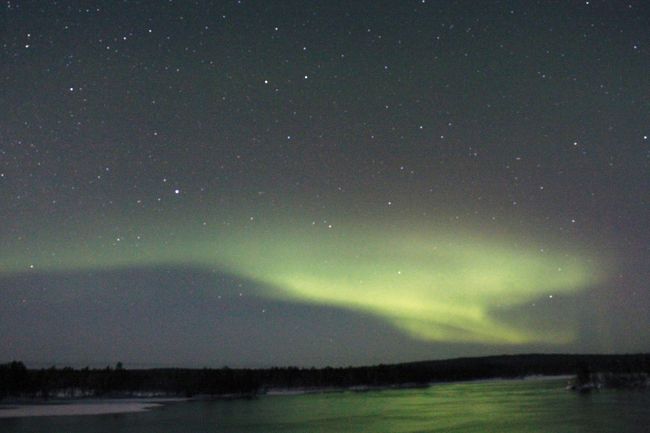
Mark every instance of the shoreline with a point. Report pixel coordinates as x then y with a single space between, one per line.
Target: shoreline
20 385
88 406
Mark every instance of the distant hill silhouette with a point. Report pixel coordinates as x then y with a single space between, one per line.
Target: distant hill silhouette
16 381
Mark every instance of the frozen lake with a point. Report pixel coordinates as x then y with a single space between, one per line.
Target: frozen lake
488 406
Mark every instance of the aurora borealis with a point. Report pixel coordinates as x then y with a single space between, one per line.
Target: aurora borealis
313 183
433 284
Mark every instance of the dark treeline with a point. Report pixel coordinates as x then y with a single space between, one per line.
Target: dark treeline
16 381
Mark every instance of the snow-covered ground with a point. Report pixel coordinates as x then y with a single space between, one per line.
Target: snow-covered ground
75 408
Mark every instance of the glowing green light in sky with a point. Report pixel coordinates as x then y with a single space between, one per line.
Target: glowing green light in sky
434 286
429 282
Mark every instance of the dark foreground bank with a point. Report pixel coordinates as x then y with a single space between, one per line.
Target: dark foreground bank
18 382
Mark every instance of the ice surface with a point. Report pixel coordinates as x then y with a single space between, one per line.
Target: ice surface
79 408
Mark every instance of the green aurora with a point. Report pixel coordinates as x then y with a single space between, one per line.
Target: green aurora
432 283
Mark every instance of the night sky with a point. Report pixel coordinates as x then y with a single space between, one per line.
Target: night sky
257 183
